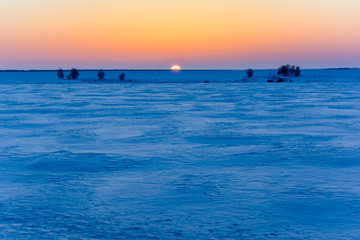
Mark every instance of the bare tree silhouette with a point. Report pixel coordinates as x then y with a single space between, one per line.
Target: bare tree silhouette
101 74
60 74
74 74
249 73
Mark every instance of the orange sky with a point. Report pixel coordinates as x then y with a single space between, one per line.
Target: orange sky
196 34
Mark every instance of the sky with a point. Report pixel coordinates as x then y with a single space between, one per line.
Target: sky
197 34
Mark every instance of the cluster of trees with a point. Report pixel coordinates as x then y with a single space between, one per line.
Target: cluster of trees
74 74
285 71
282 72
289 71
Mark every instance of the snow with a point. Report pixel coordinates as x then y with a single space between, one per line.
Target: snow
154 159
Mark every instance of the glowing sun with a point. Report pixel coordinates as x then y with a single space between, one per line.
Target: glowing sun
175 68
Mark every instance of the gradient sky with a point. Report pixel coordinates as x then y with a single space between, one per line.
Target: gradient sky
205 34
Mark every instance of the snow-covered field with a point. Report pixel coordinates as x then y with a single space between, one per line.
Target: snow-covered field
184 160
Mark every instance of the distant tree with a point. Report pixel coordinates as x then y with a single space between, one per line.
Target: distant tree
101 74
122 76
288 70
249 73
74 74
60 74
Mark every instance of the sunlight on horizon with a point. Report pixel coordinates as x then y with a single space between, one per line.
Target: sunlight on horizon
175 68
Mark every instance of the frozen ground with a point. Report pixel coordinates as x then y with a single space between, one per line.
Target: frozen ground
180 160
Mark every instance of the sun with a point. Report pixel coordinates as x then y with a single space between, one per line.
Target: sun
175 68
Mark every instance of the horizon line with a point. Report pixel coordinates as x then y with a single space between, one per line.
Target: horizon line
163 69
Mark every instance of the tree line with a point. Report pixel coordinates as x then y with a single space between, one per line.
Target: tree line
74 74
284 71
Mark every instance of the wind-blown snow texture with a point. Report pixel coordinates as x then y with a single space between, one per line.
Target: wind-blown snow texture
218 160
